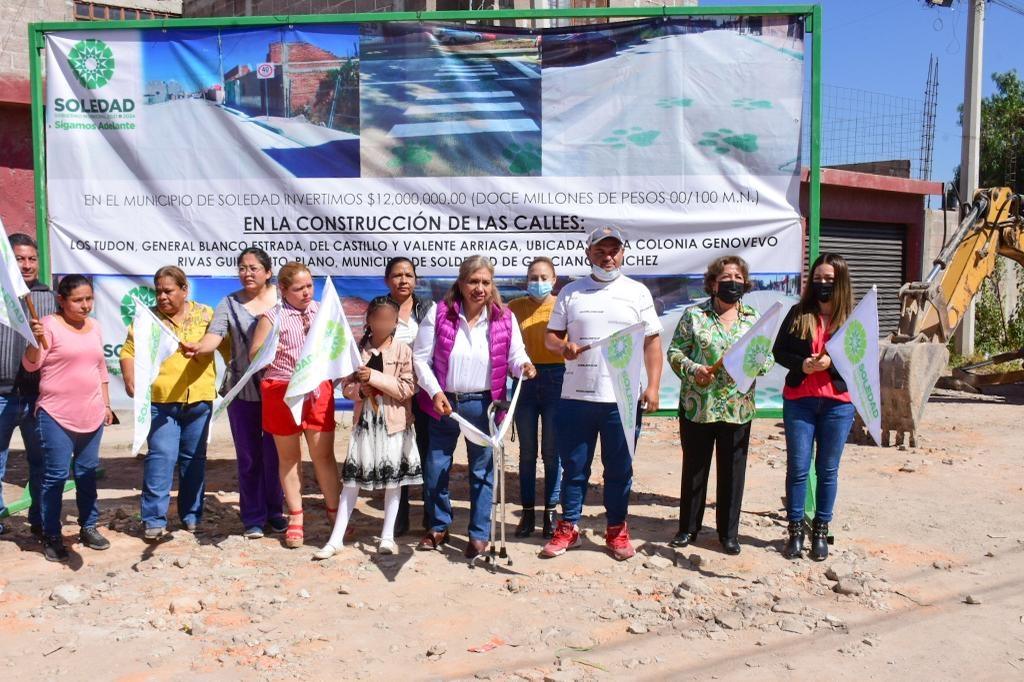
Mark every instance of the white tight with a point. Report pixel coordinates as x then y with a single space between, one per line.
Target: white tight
347 503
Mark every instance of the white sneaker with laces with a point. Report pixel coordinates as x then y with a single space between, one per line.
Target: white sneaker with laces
387 547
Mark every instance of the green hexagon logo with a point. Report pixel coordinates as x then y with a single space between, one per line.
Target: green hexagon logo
144 294
92 62
756 356
620 351
856 341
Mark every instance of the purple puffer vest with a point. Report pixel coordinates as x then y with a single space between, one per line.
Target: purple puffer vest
445 329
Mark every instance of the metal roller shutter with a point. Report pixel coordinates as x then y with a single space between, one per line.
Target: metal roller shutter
874 252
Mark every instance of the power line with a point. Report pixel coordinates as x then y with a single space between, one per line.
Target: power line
1012 6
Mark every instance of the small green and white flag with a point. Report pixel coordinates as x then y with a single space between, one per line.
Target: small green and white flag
154 343
854 353
264 356
13 288
751 355
329 352
623 352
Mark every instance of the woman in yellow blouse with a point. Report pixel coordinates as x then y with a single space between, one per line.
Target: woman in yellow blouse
182 403
538 399
713 415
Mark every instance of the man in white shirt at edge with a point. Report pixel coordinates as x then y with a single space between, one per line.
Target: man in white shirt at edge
589 309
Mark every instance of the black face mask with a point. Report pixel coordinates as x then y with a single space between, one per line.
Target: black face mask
823 291
729 291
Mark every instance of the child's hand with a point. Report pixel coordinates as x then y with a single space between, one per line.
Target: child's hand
362 374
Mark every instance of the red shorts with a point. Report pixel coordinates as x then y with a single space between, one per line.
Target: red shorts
317 412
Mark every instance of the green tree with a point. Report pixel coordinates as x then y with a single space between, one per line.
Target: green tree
1002 134
1000 321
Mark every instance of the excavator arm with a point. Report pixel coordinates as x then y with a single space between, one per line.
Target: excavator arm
913 358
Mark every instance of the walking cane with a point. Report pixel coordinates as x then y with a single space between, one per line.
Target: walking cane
498 502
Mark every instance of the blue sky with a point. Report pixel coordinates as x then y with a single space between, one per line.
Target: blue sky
883 46
190 56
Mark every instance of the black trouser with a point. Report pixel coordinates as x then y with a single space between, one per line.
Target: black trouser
699 441
422 422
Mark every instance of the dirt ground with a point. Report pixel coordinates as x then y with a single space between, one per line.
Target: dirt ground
925 579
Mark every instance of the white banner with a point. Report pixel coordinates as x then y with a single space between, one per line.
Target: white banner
329 352
687 137
623 352
154 343
854 352
747 359
13 288
374 140
264 356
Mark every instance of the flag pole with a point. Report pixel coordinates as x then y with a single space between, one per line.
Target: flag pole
712 370
35 318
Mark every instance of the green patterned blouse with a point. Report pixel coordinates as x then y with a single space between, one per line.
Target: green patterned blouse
701 339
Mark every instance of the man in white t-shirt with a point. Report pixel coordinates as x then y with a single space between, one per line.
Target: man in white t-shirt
587 310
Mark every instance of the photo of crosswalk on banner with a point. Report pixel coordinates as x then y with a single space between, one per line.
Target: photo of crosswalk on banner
854 353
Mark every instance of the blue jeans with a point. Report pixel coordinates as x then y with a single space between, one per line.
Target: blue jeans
814 424
58 447
538 401
580 424
16 412
177 439
444 436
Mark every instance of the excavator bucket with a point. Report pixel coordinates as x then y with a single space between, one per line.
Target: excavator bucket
907 372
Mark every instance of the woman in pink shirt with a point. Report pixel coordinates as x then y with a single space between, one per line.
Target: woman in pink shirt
72 409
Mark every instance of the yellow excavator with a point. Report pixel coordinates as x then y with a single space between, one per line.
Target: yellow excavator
913 358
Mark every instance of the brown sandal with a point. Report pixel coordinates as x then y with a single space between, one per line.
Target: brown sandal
294 535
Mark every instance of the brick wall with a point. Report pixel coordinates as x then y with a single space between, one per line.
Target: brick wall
17 199
240 8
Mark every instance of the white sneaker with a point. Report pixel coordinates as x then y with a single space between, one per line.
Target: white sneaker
387 547
325 552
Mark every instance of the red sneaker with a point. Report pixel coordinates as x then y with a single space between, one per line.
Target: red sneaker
567 536
616 539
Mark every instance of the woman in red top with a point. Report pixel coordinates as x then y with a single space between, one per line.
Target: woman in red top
816 408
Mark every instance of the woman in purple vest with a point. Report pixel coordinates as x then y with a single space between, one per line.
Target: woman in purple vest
465 349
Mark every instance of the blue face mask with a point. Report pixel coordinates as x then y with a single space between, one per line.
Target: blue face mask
539 290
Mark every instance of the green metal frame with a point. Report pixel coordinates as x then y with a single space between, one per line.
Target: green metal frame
812 14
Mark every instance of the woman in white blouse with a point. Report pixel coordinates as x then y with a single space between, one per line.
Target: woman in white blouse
466 347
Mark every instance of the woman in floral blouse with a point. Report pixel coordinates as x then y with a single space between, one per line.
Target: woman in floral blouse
713 413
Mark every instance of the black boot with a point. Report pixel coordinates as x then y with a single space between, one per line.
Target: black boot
54 549
527 523
819 541
795 544
549 523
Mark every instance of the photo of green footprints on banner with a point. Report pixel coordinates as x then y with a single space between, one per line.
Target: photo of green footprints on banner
621 138
748 104
669 102
725 140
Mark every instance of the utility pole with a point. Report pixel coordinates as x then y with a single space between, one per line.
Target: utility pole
970 150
